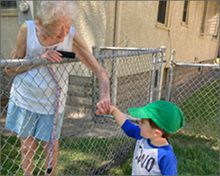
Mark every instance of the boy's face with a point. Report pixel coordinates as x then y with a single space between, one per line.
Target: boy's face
147 131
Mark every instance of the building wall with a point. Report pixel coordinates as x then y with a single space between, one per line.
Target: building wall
9 27
136 26
139 28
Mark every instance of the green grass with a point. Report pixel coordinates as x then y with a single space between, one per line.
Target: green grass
82 155
202 111
196 156
79 156
11 157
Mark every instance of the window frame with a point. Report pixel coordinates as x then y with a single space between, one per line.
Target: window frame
185 12
204 16
161 16
204 28
166 25
10 11
216 33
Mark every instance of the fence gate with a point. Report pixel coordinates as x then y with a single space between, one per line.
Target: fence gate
89 144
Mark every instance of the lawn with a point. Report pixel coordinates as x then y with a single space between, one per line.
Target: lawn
79 156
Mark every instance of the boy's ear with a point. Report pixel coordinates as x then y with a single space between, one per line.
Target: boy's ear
158 132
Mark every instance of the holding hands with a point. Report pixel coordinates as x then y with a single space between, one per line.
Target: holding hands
103 106
114 111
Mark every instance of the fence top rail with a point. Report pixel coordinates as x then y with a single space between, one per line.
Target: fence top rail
126 52
32 61
150 50
104 56
197 65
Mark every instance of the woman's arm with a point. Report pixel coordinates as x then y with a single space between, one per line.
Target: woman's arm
82 51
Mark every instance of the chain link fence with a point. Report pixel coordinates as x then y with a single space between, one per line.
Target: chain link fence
89 144
195 87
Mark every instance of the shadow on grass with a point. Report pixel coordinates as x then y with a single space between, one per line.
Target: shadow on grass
78 156
93 156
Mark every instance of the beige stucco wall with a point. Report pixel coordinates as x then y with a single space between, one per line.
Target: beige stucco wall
92 21
136 27
8 33
139 28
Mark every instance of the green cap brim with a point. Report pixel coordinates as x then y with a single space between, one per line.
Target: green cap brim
166 115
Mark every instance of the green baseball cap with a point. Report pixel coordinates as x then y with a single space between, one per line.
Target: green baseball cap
164 114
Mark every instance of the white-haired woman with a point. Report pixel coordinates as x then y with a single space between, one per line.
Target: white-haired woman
34 94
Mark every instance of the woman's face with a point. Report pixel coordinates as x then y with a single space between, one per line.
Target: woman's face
57 30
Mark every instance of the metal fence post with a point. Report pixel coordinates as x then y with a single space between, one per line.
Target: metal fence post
114 79
170 76
94 85
161 62
153 77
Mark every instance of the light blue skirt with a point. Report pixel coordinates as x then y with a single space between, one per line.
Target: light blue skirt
26 123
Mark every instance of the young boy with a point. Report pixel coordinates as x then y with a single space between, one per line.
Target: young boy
153 154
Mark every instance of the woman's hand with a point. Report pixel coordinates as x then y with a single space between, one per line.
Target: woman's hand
103 106
52 55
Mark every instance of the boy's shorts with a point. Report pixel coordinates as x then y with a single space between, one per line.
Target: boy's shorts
26 123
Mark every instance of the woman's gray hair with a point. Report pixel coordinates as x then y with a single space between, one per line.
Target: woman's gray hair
50 11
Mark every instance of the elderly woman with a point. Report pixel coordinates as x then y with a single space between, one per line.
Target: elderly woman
38 95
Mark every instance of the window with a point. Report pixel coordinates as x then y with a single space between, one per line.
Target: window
185 11
8 8
204 17
214 25
210 19
8 4
162 12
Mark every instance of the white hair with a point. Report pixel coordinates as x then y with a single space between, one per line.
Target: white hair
50 11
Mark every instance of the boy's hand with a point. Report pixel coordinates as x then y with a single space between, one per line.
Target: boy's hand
111 110
116 113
